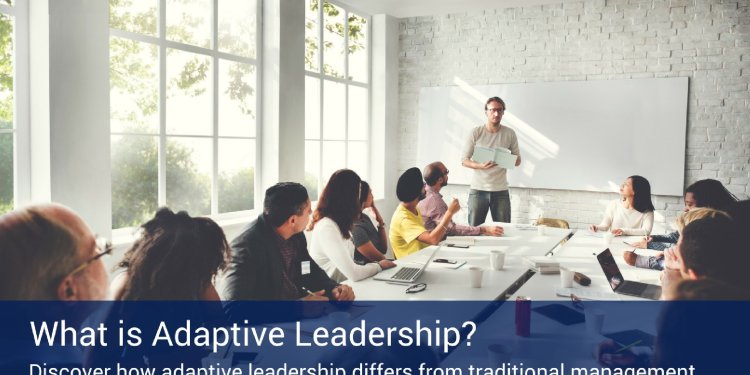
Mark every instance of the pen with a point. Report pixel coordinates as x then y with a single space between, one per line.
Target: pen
309 293
626 347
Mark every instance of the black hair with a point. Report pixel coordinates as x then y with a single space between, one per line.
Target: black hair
712 194
708 247
282 201
641 194
740 213
496 100
364 192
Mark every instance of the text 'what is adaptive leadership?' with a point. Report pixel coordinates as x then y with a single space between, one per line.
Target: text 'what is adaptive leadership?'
59 333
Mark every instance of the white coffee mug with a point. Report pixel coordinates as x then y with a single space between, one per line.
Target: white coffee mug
541 229
607 238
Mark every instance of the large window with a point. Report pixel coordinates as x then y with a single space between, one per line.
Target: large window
184 104
8 118
337 93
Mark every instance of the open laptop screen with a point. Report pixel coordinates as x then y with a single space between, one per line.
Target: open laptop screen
609 266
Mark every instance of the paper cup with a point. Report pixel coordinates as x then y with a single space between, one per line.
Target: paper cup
475 277
594 321
607 238
498 354
497 259
541 230
566 278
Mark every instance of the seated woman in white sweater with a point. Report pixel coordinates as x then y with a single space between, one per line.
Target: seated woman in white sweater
331 246
633 214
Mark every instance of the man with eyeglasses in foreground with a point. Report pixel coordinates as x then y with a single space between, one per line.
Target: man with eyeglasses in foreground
49 253
489 184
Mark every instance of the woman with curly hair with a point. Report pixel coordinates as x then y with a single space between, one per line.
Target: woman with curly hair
175 258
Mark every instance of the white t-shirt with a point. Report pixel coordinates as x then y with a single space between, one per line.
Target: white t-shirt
632 222
335 254
495 178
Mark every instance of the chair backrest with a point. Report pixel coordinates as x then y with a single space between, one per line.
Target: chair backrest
555 223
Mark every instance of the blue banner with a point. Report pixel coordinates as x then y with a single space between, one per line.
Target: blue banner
374 338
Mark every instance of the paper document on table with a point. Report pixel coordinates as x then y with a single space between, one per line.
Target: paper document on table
450 266
528 227
501 156
588 233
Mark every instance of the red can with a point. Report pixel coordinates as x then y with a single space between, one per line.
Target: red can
523 316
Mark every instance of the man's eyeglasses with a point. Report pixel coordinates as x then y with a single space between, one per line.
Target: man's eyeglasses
103 247
416 288
495 110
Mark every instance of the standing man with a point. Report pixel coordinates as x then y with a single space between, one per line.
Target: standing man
489 185
270 260
433 207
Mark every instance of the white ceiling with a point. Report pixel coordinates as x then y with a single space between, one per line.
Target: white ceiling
413 8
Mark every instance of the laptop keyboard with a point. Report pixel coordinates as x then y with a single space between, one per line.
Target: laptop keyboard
406 273
632 288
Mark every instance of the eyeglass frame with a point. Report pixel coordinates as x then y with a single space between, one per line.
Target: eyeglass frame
416 288
99 242
495 110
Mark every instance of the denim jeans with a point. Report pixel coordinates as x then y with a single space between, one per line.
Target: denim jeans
497 202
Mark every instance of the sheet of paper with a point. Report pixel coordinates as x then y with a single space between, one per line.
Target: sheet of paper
458 264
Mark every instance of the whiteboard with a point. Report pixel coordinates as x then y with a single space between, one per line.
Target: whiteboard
587 135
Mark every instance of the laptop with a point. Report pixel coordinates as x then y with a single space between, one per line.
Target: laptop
620 285
403 274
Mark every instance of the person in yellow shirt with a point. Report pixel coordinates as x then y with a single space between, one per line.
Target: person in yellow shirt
407 232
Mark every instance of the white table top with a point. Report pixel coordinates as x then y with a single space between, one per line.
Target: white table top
454 284
578 254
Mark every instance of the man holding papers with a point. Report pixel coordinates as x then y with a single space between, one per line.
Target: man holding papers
490 150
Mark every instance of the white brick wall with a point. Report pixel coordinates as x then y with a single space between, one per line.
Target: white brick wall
706 40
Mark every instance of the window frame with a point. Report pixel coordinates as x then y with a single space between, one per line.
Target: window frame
162 43
323 77
20 131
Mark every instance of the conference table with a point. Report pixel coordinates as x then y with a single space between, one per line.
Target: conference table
446 283
579 254
572 343
491 306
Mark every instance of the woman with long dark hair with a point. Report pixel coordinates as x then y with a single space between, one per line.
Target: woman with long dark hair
368 233
331 246
175 258
633 213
